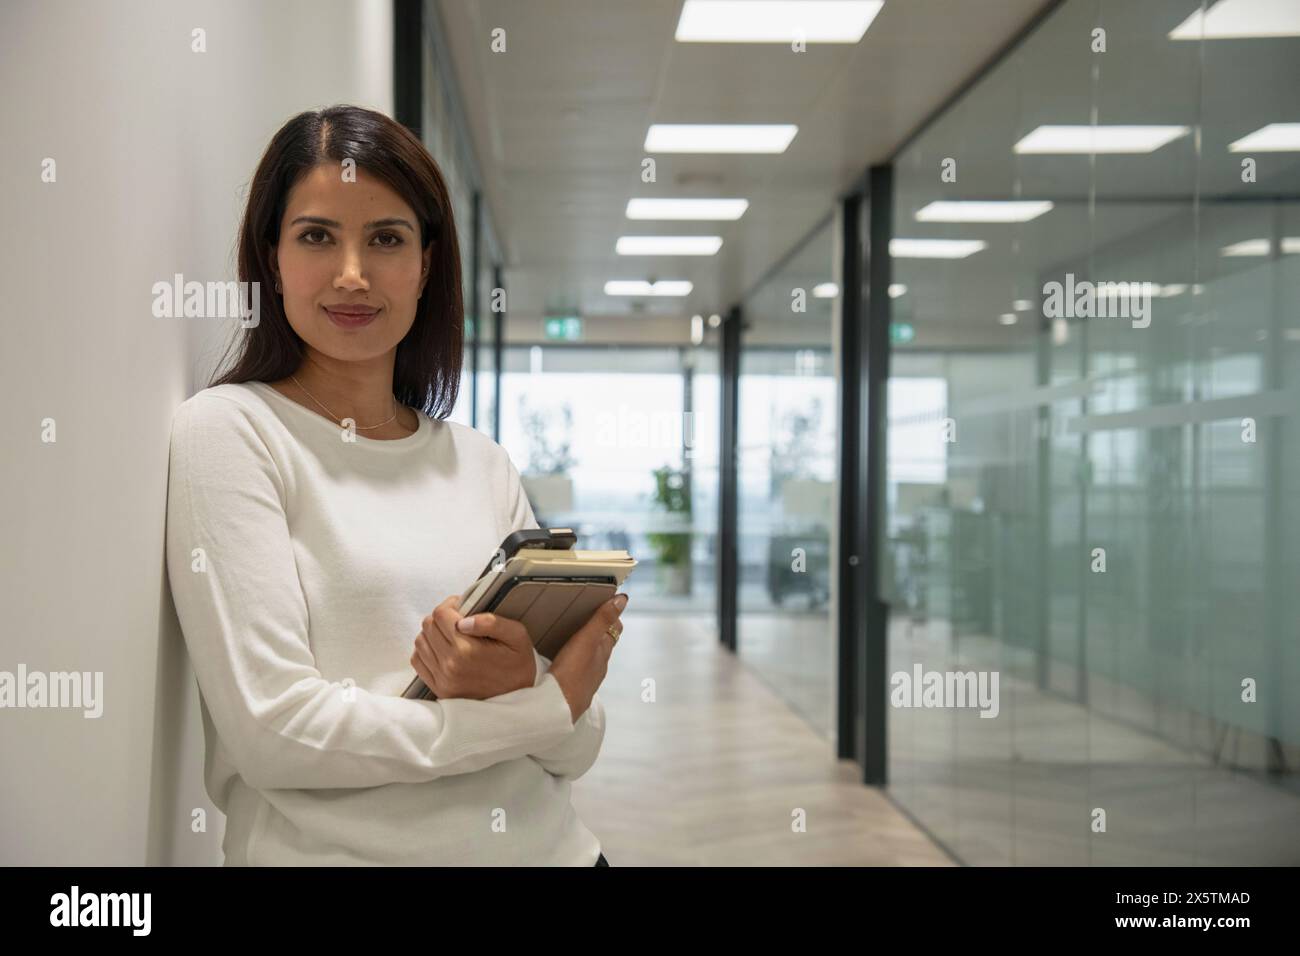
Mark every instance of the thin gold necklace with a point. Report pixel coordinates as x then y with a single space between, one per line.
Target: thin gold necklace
360 428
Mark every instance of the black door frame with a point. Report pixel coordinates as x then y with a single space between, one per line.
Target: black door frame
729 377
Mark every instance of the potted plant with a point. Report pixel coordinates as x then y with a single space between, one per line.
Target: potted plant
673 548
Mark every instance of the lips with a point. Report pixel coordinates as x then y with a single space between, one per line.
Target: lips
351 316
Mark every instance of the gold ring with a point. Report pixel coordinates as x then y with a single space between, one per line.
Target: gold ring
613 633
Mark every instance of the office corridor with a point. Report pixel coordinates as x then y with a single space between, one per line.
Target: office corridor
711 772
925 373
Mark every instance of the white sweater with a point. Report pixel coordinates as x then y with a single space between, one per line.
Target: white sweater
320 558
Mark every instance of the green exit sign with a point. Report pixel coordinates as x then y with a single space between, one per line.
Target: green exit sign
900 333
568 328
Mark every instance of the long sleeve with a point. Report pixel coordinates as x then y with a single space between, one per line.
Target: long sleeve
245 623
575 755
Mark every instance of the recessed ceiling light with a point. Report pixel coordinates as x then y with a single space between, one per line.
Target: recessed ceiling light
1247 247
1008 318
897 289
1261 247
968 211
1022 305
776 21
1098 139
728 209
1273 138
825 290
641 287
1168 291
668 245
934 248
1241 20
719 138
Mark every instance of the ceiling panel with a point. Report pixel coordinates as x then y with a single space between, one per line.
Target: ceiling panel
559 120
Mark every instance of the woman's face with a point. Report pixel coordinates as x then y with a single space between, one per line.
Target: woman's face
349 263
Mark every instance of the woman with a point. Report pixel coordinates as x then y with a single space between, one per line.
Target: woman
318 501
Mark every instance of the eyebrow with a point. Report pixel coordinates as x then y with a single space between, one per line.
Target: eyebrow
377 224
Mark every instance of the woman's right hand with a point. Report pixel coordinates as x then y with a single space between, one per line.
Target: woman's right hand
581 664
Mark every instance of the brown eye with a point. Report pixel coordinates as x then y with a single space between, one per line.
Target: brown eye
397 240
312 232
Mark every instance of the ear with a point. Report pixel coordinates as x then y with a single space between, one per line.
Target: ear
426 264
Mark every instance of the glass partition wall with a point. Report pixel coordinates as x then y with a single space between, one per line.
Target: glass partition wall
1092 488
444 134
621 443
1091 502
786 464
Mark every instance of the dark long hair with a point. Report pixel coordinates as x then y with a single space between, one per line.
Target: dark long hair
426 374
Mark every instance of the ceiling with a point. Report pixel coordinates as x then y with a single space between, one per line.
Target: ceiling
1163 216
559 120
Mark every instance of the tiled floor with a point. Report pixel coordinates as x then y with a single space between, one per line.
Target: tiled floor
714 770
1022 790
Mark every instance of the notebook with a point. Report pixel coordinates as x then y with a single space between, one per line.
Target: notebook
551 592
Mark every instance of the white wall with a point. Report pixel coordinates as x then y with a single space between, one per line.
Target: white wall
154 146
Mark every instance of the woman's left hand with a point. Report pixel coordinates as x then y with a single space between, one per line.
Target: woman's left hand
489 657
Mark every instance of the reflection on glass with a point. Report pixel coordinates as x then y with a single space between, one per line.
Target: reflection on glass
1102 507
441 137
787 452
486 355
